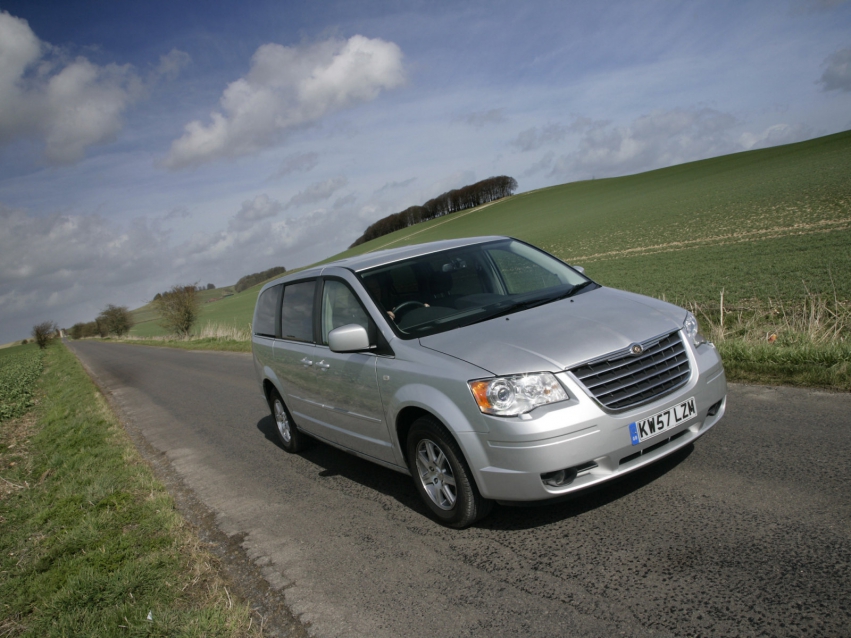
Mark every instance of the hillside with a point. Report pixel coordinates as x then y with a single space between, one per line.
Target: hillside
771 224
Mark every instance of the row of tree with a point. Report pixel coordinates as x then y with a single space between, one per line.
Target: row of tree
178 308
113 320
196 286
458 199
252 280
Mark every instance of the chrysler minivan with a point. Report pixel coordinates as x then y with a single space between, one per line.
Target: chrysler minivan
484 368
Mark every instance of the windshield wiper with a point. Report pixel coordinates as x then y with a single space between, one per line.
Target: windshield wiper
504 308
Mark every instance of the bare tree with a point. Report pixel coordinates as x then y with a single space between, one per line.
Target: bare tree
179 309
44 333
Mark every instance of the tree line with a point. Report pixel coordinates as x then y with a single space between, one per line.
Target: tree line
252 280
452 201
113 320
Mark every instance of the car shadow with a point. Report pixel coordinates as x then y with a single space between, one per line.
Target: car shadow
334 462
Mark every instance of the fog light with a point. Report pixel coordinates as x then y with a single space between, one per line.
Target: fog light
713 410
559 478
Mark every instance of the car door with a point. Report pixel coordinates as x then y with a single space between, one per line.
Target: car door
294 353
347 386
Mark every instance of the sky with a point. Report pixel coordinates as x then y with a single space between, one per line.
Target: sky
146 145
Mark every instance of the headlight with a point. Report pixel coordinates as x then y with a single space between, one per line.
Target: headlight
692 330
516 394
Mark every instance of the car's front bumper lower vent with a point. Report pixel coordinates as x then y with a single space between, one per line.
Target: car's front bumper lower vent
622 379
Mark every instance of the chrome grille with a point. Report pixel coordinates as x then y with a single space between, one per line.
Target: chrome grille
621 380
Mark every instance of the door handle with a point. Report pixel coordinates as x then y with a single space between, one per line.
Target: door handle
307 362
323 365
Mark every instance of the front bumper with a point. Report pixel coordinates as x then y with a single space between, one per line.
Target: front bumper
508 460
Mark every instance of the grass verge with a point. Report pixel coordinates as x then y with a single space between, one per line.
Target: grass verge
226 345
90 542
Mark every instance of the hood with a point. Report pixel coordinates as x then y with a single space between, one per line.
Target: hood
561 334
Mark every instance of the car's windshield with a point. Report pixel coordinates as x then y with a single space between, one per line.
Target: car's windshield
452 288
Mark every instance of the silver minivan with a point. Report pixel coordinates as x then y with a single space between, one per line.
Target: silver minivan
485 368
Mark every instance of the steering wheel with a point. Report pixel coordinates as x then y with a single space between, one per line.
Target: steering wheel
407 305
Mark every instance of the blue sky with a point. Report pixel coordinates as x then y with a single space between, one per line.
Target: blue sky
149 144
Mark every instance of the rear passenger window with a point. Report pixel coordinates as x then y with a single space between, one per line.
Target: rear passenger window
297 311
267 308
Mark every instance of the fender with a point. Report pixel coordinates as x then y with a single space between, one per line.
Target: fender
437 403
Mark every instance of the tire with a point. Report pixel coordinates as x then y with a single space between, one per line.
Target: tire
288 434
442 477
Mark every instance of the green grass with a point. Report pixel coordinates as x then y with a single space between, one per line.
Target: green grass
810 365
234 310
146 317
227 345
20 367
758 224
90 542
771 226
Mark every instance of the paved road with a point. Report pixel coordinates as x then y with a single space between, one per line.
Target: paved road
745 534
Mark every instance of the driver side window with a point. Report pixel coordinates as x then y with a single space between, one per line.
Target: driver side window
340 307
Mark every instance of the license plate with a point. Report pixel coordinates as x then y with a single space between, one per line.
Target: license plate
662 422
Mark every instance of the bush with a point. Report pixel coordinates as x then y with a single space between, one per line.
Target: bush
116 320
44 333
210 287
179 309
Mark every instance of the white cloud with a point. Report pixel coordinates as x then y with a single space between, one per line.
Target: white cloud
297 163
390 186
287 88
541 165
261 207
776 135
172 63
478 119
317 192
837 72
660 138
68 105
178 212
67 267
534 138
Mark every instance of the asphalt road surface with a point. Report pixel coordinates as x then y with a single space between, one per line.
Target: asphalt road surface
744 534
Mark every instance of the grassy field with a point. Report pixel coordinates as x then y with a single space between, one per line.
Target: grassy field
90 542
770 230
766 223
147 320
20 367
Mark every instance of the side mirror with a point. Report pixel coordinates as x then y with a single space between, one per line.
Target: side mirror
579 268
349 338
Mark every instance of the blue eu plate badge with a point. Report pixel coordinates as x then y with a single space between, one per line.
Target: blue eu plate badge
633 433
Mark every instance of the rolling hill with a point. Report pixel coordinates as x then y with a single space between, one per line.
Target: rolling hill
765 225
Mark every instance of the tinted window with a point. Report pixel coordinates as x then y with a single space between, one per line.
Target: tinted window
267 307
340 307
297 311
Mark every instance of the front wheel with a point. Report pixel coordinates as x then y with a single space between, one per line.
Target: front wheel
442 477
288 434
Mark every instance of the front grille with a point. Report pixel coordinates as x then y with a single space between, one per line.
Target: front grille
621 380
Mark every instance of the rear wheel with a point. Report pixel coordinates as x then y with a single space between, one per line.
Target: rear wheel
442 477
288 433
